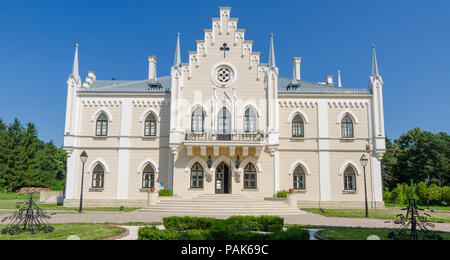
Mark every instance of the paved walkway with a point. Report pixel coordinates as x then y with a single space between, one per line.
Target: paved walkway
305 218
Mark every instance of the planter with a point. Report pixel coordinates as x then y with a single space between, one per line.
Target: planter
153 198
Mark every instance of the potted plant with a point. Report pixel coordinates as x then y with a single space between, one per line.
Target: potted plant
291 191
152 190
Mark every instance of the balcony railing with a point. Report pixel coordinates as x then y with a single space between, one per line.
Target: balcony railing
214 136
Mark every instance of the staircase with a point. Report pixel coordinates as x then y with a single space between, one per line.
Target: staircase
228 204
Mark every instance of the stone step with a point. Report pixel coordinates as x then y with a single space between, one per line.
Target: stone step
222 211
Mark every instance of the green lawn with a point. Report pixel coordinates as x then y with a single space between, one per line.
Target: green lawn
343 233
387 213
12 204
62 231
446 208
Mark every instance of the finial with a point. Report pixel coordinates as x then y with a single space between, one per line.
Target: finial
339 79
75 68
177 61
375 71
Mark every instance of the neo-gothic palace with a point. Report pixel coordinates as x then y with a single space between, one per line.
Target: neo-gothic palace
224 123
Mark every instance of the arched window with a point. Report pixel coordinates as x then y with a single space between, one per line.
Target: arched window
299 178
102 125
150 125
250 176
347 127
197 176
350 179
224 122
198 120
98 177
298 127
250 121
148 177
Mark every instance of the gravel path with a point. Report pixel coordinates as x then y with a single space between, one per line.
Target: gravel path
305 218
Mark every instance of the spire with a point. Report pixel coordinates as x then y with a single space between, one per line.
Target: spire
375 72
75 69
272 63
339 79
177 61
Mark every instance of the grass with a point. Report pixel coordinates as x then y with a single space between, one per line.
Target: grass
62 231
12 204
445 208
344 233
386 213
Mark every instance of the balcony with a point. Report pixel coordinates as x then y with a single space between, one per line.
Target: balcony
215 136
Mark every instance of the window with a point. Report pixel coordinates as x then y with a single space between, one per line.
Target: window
224 122
98 177
250 176
299 178
197 176
148 177
102 125
298 127
349 179
347 127
250 121
198 120
150 125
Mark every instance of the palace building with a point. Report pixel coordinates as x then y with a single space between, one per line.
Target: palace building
224 123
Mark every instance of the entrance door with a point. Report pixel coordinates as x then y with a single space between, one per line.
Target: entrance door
222 179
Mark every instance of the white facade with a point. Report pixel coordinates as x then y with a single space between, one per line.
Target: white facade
224 123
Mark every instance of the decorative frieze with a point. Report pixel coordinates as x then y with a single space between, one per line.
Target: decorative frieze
297 104
348 104
101 103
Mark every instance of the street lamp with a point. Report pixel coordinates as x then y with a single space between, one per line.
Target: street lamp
83 158
364 162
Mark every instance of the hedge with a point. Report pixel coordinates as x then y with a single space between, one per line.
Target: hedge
436 195
165 193
244 223
188 223
221 233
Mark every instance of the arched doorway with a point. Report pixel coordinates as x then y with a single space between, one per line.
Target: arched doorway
223 183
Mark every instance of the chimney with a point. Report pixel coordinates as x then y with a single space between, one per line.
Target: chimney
329 80
152 68
296 68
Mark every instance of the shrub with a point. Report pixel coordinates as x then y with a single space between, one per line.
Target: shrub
293 233
165 193
387 196
398 194
188 223
151 233
422 193
57 185
282 194
263 223
434 194
445 194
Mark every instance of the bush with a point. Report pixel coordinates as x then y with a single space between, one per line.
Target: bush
282 194
188 223
398 194
263 223
223 230
165 193
387 196
57 185
445 194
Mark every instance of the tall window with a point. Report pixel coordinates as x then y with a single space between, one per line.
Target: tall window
148 177
198 120
98 177
350 179
197 176
250 121
250 176
224 121
150 125
299 178
347 127
298 127
102 125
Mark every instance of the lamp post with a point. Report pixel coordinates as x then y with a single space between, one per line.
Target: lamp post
83 158
364 162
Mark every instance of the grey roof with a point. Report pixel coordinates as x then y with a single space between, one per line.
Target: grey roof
287 86
162 85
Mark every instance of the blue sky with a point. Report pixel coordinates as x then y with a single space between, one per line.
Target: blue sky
37 41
